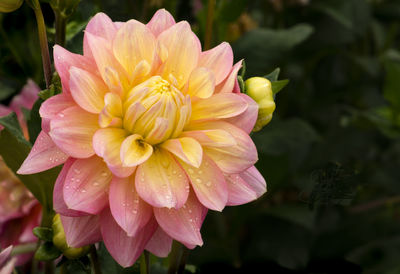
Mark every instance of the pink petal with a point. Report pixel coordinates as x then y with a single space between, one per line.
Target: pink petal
183 52
59 204
26 98
230 159
4 110
43 156
201 83
8 267
124 249
52 106
247 119
87 89
160 21
161 182
212 137
227 86
109 68
72 130
100 25
129 211
86 184
107 144
187 149
183 224
255 180
160 244
134 43
81 231
239 191
222 105
63 60
219 60
5 254
208 183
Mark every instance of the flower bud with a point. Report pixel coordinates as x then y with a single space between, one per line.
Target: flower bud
60 242
260 90
10 5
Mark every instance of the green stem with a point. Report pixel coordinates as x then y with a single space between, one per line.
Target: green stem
43 42
23 248
145 263
182 263
209 24
174 257
95 260
61 26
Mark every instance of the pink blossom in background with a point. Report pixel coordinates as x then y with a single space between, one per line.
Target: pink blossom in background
6 264
20 212
24 99
153 133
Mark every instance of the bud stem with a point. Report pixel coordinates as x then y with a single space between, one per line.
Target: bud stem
43 42
95 260
145 263
23 249
61 25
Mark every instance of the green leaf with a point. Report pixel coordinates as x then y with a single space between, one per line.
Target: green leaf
5 91
34 121
43 233
278 85
392 84
47 252
14 148
262 48
273 76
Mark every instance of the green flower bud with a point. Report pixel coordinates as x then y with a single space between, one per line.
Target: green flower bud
10 5
260 90
60 242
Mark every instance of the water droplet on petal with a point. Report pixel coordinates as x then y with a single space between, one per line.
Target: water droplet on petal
208 183
190 171
198 180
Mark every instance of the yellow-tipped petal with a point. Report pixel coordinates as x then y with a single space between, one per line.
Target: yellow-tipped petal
135 150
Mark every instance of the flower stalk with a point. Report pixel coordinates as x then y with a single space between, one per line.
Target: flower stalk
42 40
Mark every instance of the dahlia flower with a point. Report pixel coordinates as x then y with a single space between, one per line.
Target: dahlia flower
20 212
152 132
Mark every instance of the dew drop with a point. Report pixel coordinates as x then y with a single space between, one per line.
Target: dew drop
198 180
96 184
134 211
136 201
190 211
190 171
61 115
83 190
174 172
104 173
200 172
77 171
208 183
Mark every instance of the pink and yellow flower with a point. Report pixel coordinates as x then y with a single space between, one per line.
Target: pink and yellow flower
152 132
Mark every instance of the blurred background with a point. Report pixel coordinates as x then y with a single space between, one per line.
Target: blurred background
331 155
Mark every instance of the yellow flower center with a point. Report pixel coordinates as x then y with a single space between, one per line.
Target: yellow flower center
154 111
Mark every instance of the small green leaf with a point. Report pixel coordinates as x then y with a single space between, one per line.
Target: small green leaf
46 94
278 85
47 252
273 76
43 233
241 84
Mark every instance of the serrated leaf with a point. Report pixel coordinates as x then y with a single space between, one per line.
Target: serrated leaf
273 76
47 252
43 233
278 85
